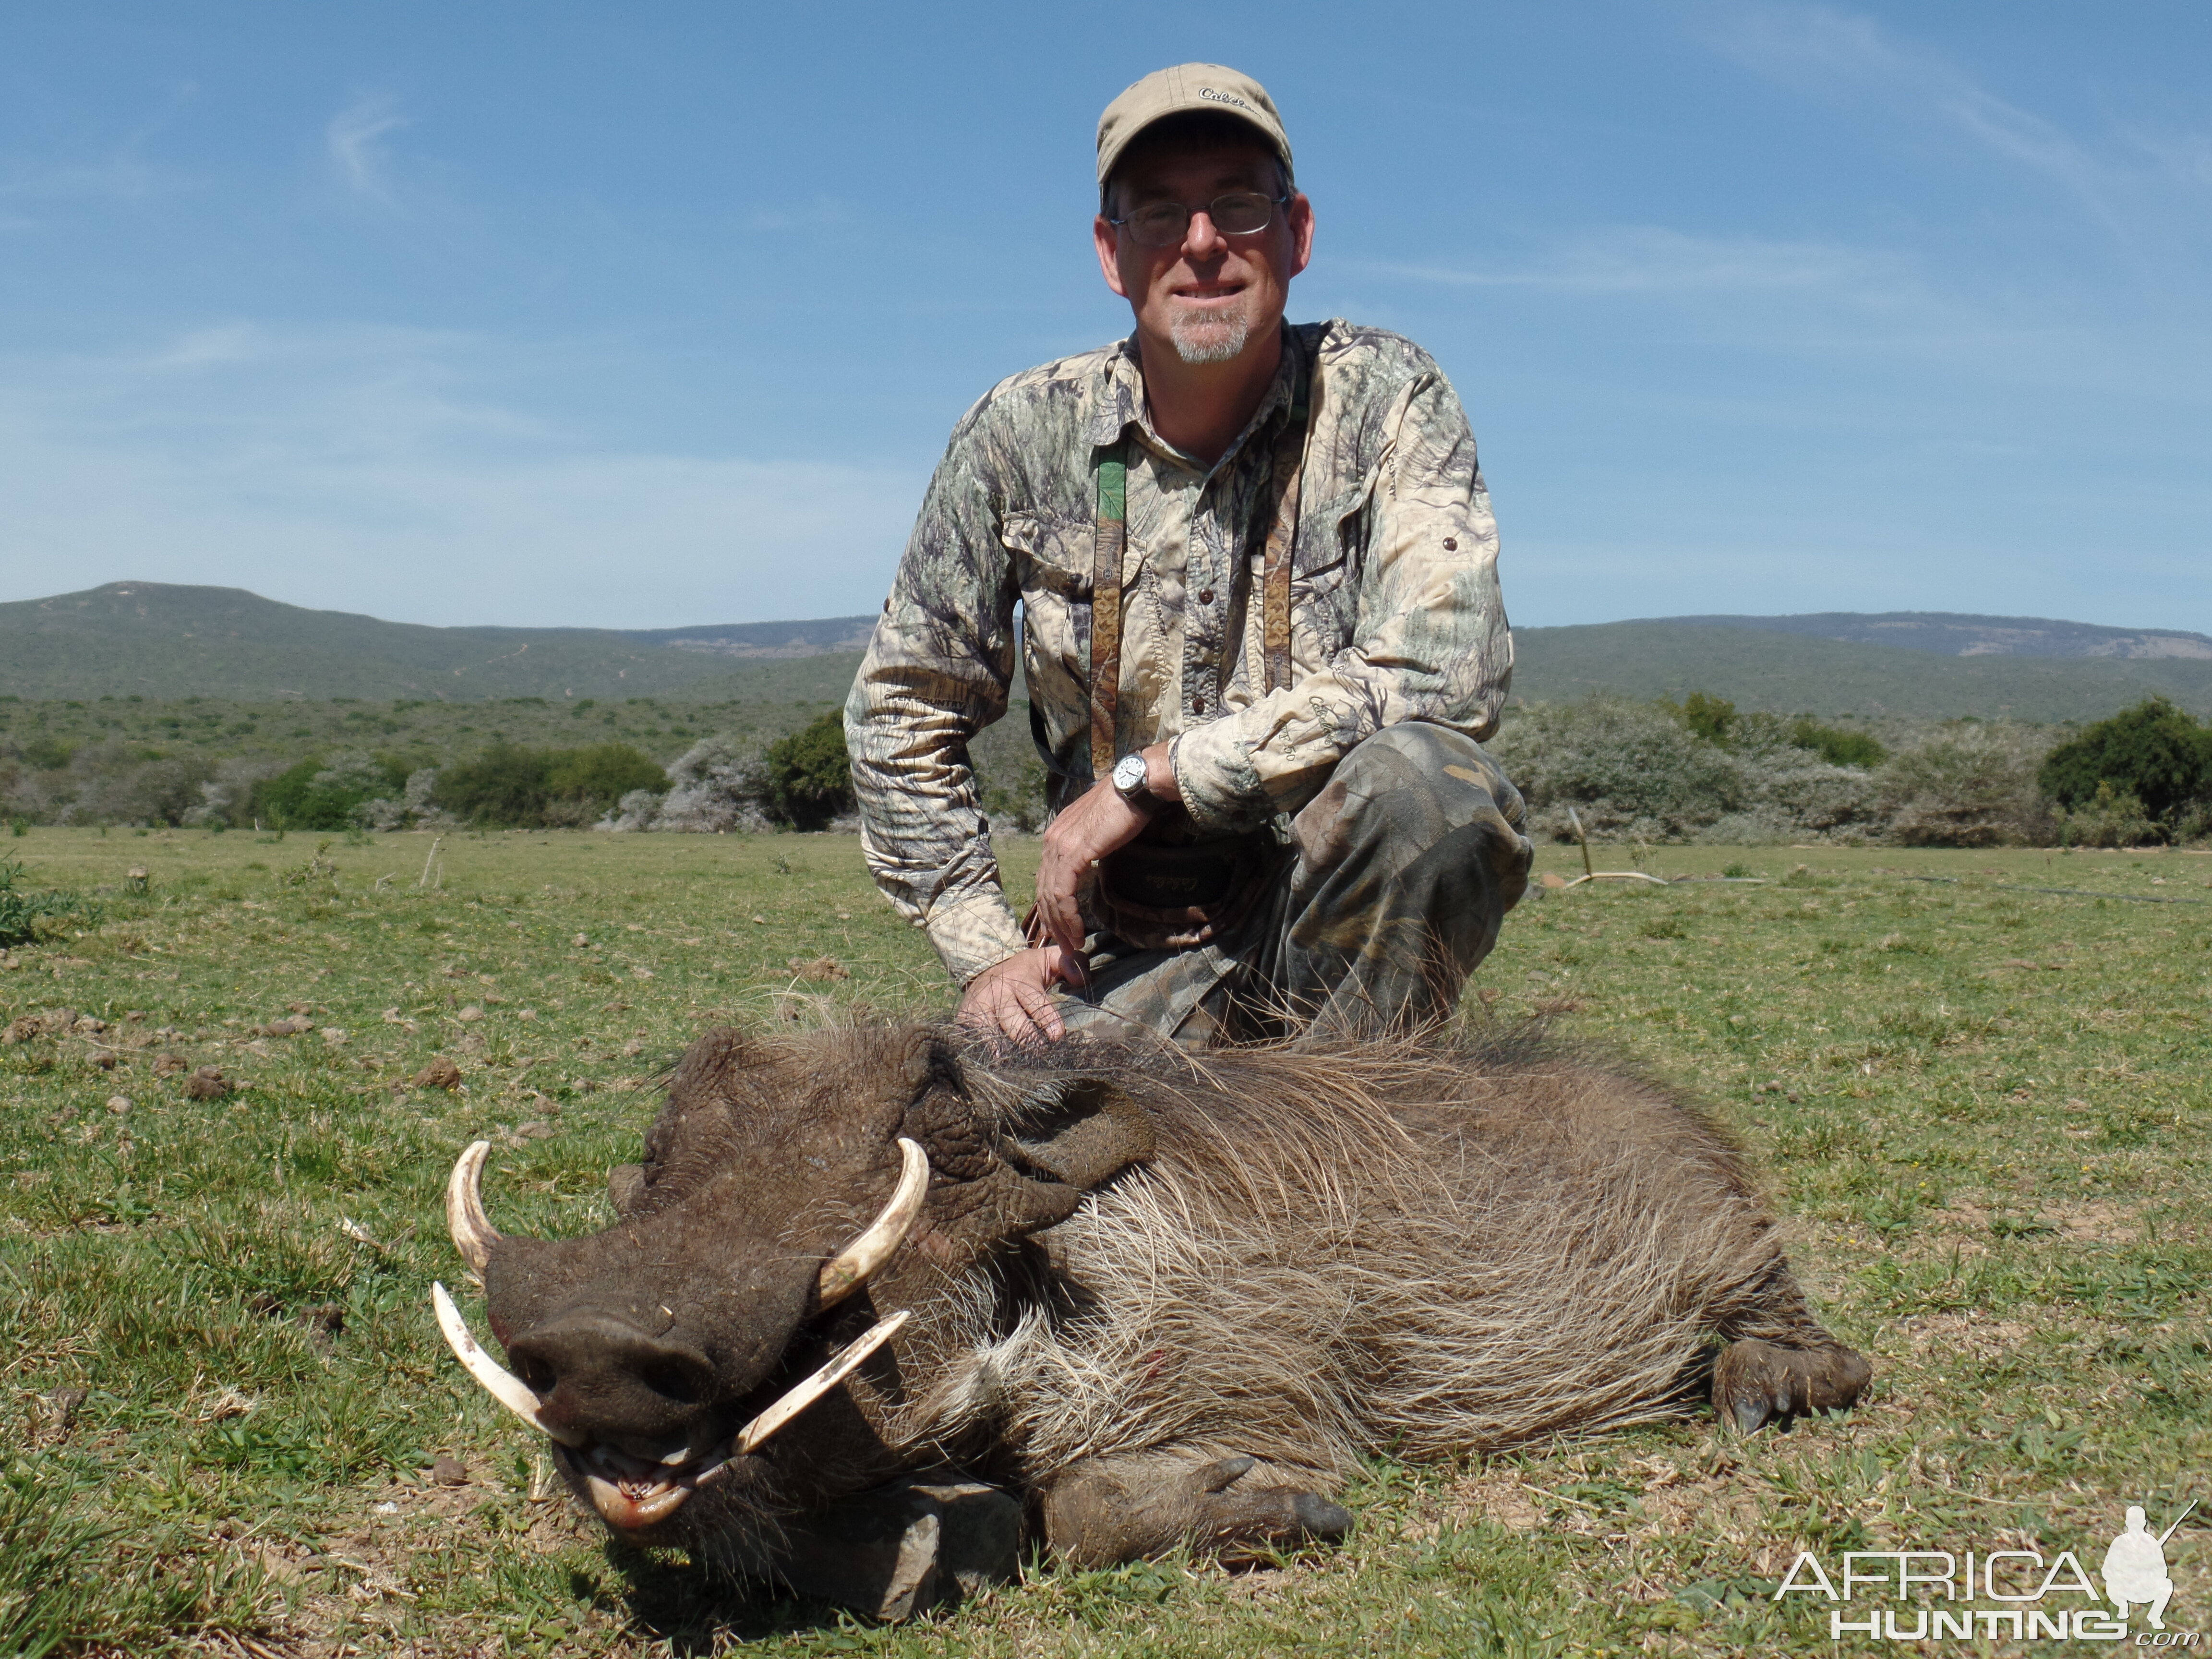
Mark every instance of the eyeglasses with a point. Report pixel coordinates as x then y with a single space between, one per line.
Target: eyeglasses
1162 224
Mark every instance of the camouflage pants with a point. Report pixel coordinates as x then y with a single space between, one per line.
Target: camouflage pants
1401 871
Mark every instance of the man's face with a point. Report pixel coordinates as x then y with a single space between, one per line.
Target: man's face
1211 297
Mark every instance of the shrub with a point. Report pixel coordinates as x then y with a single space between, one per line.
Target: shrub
23 913
1711 718
2111 819
46 754
809 774
717 785
510 785
602 772
318 795
1630 769
116 784
1968 786
2153 752
1837 746
504 785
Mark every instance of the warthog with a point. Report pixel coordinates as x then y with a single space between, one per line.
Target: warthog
1164 1301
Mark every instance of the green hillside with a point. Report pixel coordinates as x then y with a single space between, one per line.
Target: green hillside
1791 673
159 641
163 643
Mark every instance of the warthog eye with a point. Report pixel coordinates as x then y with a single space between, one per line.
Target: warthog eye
677 1383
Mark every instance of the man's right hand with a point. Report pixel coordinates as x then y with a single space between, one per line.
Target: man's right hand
1014 997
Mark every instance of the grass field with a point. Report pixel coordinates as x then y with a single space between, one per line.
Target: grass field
1980 1111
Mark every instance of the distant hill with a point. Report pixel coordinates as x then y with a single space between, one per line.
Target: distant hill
1793 671
158 641
1951 634
766 640
161 641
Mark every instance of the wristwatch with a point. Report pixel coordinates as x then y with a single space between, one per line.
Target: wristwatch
1131 777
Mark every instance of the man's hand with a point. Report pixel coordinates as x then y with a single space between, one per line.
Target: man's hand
1014 997
1099 822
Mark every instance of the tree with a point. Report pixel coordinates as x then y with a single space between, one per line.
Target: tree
810 775
1836 745
602 772
319 794
2153 751
506 784
1711 718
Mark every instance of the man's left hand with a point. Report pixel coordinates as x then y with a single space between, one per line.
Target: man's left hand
1099 822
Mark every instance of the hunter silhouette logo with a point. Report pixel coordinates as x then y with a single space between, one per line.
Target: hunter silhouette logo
2134 1567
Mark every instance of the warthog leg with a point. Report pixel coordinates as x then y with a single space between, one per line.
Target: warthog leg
1783 1362
1099 1511
1754 1381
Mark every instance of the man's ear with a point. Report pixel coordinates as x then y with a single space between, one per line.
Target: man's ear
1090 1131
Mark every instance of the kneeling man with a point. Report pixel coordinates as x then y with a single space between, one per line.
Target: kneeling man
1261 637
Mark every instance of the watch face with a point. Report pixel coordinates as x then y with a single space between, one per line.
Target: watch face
1129 774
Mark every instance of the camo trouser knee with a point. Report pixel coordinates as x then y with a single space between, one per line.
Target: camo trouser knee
1402 869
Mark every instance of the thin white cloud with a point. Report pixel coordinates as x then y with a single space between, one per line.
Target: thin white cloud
1802 45
353 135
367 469
1654 259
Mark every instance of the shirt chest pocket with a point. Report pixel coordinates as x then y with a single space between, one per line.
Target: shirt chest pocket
1325 567
1052 563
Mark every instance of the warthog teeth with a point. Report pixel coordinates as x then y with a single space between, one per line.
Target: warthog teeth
473 1233
847 1270
756 1432
503 1385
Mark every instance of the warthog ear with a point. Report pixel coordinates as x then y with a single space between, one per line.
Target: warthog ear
1023 1162
1089 1132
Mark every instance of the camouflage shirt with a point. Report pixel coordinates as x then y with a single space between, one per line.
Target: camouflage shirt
1395 610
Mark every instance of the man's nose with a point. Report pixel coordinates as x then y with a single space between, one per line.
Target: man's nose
1201 240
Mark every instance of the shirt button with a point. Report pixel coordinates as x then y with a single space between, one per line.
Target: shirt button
1198 705
1206 596
1451 543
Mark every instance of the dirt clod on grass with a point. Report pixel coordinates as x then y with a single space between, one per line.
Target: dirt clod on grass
440 1074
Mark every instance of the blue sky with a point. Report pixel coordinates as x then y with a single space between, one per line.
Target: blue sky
639 315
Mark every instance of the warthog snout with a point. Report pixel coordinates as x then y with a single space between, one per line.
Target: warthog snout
597 1371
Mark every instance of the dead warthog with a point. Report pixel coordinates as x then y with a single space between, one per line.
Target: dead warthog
1164 1301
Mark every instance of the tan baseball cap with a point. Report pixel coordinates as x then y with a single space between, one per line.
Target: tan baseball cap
1187 87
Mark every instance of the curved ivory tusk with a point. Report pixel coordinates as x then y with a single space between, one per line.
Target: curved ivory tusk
751 1437
503 1385
473 1233
846 1270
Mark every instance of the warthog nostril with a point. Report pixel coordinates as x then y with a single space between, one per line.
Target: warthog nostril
682 1383
598 1372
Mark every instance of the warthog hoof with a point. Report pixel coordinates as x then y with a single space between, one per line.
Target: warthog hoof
1755 1382
1106 1510
1231 1520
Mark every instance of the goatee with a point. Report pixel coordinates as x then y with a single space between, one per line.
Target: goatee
1201 338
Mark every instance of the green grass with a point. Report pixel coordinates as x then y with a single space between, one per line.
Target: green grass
1980 1111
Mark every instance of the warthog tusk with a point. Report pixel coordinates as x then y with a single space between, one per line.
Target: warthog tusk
473 1234
847 1270
755 1433
503 1385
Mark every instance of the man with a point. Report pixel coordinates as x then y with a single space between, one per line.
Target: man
1261 637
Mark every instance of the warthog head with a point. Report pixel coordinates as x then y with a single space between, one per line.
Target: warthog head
732 1349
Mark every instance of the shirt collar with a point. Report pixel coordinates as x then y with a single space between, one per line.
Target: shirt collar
1117 397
